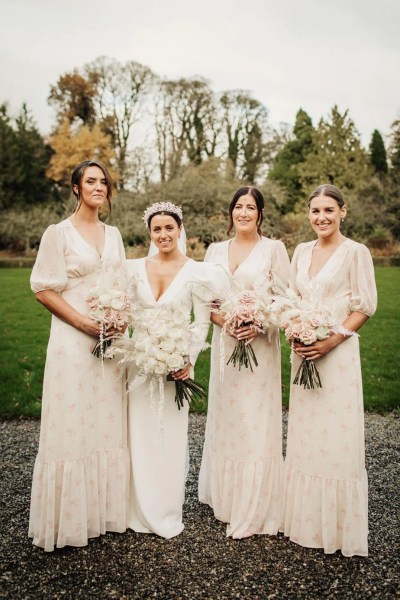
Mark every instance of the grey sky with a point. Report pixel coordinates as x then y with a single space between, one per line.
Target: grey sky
290 54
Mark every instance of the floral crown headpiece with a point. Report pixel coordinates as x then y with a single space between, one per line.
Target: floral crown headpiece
161 207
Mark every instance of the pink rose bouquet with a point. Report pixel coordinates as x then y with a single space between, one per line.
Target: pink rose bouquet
241 308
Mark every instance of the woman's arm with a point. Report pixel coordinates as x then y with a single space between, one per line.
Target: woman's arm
64 311
353 323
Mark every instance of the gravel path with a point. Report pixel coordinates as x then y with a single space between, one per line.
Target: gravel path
201 562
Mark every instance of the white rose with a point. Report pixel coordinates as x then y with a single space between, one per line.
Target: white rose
160 369
160 328
175 361
117 303
175 334
96 315
167 344
322 332
105 299
181 346
161 355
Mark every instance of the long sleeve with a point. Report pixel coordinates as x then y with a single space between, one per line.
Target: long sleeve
362 280
209 253
280 267
49 271
293 270
199 327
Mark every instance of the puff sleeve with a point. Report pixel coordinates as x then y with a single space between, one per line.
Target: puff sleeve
362 282
280 267
294 269
49 271
209 254
203 292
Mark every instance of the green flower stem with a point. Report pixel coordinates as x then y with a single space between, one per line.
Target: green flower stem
188 389
97 348
243 355
307 375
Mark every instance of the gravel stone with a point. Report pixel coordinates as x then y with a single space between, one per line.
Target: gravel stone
202 562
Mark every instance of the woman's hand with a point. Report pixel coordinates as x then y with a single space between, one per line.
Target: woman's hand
246 333
217 319
318 349
91 327
183 373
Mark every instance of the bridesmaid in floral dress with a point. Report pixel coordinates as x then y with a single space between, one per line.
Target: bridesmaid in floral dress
326 496
81 474
241 469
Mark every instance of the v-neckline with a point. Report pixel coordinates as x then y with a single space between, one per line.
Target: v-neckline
232 273
88 243
311 278
171 283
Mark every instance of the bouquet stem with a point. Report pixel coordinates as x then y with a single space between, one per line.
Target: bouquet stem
100 347
187 389
243 355
307 375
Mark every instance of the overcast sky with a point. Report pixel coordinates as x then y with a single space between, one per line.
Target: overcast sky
289 53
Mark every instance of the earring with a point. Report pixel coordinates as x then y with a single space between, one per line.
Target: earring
342 219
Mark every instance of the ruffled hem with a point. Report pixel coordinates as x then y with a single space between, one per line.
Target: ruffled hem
74 500
326 513
244 495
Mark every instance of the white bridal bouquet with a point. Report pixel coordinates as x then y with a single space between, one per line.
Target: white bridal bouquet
302 321
159 345
241 308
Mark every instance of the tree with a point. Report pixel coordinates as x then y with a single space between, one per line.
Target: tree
245 125
107 94
72 145
393 196
336 155
378 153
24 158
8 158
121 91
186 124
285 166
394 151
73 96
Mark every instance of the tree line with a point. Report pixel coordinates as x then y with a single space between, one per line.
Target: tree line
180 140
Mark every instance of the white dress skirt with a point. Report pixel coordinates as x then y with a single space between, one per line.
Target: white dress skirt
241 469
81 474
325 488
159 454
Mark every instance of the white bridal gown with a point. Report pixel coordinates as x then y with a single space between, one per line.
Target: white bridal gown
241 469
81 474
326 491
158 456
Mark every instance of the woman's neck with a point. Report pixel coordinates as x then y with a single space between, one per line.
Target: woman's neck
86 215
172 256
332 241
246 238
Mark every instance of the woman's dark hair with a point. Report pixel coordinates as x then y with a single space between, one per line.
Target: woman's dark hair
77 176
326 189
165 212
259 200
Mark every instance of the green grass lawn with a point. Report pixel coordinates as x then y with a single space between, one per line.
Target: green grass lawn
24 327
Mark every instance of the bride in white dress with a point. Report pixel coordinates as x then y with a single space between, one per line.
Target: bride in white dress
158 458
